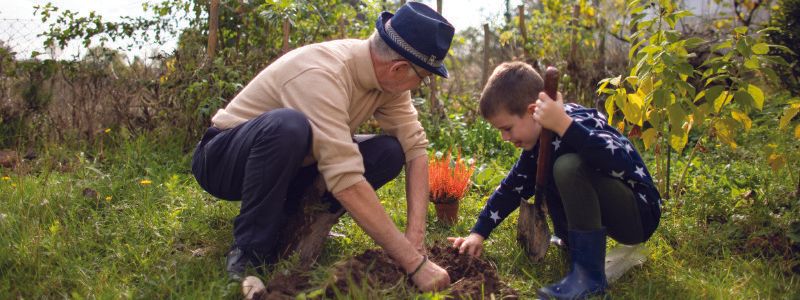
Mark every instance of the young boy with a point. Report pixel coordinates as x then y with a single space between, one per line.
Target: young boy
599 183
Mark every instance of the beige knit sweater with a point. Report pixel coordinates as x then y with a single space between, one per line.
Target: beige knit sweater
334 85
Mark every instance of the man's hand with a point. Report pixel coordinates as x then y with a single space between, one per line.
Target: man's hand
472 244
363 205
551 115
430 277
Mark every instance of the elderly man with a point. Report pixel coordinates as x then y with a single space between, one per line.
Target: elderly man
297 119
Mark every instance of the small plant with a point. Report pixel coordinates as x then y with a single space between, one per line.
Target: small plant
448 179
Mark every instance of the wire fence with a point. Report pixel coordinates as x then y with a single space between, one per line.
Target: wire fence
21 36
24 38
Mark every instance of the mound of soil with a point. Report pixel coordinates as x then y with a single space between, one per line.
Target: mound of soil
469 276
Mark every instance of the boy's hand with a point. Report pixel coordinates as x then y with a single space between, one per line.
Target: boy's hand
472 244
551 115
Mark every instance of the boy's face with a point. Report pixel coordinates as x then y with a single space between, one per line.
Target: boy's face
522 131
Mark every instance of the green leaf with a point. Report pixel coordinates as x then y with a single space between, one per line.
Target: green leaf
713 92
694 42
676 115
760 48
757 94
660 98
740 29
751 63
743 98
724 45
743 48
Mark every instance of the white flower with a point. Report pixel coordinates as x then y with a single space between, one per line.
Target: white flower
471 161
439 154
45 202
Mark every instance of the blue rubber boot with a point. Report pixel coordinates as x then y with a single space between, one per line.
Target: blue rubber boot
587 275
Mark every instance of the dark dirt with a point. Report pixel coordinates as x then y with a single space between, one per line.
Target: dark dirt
469 276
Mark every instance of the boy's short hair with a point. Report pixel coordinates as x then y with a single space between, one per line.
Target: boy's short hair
512 87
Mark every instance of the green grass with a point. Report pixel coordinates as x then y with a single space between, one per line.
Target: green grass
136 240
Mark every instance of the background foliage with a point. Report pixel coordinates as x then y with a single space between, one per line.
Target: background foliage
103 142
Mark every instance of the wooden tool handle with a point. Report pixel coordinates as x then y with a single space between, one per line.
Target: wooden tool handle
544 169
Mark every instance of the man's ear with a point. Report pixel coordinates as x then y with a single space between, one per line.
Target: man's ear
398 64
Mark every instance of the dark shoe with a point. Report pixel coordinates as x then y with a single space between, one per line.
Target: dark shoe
236 264
239 260
587 275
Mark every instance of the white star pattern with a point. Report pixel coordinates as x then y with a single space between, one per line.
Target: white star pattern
598 123
495 217
632 183
628 148
640 171
557 143
523 176
518 189
643 197
568 108
610 145
617 174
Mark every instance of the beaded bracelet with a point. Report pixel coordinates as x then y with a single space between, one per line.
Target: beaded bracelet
424 259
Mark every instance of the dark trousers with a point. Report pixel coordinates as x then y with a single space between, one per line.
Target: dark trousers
590 200
260 163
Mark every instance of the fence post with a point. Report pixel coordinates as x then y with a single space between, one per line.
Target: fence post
436 109
485 54
285 47
213 29
523 31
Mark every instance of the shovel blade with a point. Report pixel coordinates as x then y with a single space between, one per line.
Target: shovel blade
532 230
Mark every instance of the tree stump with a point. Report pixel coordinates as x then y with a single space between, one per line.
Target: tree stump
532 230
309 225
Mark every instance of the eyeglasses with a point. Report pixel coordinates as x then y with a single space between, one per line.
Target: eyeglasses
425 80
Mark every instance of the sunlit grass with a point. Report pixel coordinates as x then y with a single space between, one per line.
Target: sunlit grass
135 225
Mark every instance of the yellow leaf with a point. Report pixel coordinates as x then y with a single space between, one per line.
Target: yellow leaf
797 132
649 137
757 94
633 109
621 126
788 114
678 138
723 99
776 161
610 109
726 132
742 118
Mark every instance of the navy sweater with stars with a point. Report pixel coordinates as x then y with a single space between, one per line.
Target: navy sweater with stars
601 146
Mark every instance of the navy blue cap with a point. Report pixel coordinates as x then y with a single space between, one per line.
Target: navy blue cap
419 34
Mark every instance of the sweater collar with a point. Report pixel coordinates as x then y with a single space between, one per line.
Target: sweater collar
365 71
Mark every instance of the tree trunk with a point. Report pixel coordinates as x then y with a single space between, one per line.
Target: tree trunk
309 226
213 29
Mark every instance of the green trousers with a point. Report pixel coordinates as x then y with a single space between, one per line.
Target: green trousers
592 200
